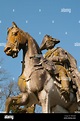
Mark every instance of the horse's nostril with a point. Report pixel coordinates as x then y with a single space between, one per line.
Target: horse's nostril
7 49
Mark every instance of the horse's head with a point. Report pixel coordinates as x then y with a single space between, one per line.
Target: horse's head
48 42
15 40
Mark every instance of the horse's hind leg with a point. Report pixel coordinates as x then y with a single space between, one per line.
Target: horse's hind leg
44 100
16 100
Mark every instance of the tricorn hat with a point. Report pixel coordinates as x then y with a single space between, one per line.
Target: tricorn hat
48 42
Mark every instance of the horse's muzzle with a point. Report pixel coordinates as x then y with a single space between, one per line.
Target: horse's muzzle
13 53
7 50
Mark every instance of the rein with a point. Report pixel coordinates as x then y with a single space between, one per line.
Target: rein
36 56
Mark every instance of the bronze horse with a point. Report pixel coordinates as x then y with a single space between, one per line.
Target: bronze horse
37 86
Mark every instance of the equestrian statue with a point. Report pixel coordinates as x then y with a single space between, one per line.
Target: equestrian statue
41 81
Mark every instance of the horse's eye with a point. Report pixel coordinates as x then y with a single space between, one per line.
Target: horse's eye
14 33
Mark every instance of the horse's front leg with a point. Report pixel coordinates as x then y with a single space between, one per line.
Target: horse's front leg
16 100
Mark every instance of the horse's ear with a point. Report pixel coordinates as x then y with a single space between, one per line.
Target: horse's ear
14 24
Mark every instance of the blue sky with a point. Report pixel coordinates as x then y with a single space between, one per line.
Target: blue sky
58 18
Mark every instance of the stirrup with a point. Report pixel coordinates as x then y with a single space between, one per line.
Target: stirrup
65 94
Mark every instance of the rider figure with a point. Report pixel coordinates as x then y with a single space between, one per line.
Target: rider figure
61 58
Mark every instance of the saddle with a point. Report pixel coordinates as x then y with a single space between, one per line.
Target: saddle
47 65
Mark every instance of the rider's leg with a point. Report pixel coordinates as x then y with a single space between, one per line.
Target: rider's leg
64 82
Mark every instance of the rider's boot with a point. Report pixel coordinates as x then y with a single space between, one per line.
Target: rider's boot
65 90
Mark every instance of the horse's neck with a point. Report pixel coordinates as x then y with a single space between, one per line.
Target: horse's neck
23 65
30 52
23 59
33 48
